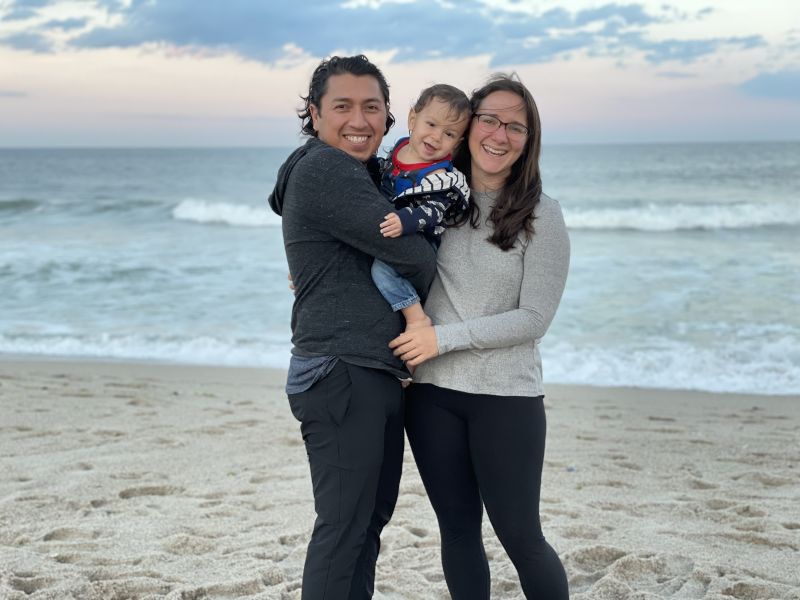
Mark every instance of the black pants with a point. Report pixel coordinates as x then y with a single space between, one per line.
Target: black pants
473 447
352 425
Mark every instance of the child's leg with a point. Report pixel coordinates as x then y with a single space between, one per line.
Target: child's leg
400 294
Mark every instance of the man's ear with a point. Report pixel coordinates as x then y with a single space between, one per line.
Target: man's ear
314 111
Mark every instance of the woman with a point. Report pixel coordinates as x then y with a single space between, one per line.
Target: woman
475 414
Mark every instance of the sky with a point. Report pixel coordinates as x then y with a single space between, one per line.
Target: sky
175 73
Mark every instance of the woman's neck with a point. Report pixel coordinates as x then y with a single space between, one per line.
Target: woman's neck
484 182
487 184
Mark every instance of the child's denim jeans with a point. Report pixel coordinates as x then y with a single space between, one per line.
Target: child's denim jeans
395 289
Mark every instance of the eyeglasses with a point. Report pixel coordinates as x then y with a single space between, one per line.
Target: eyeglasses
490 124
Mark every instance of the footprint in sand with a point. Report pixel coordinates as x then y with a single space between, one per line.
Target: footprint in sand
648 576
417 531
108 575
272 575
183 545
155 490
292 540
758 540
129 588
68 534
662 575
581 532
765 479
109 433
137 401
749 511
587 565
67 559
291 441
562 512
749 590
757 526
243 424
259 479
29 583
699 484
80 466
612 483
209 504
631 466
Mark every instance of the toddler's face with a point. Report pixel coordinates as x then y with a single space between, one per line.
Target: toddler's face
435 131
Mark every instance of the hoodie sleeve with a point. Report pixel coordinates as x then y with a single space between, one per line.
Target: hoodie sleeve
338 196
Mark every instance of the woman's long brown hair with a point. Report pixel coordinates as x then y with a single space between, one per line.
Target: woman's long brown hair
512 212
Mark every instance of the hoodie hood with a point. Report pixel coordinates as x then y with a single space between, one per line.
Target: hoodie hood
374 166
276 197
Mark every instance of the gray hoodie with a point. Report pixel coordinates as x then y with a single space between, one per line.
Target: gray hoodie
331 211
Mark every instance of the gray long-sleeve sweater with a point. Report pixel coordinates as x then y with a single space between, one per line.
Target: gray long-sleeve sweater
492 307
332 211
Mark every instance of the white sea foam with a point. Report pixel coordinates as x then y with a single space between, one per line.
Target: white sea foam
768 367
648 217
673 217
203 350
239 215
771 367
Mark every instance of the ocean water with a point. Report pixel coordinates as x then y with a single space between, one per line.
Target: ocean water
685 261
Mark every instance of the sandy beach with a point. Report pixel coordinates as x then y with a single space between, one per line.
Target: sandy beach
128 481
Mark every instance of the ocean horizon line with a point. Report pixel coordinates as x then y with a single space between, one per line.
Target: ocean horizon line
300 141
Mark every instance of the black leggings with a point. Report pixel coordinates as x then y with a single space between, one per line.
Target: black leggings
473 447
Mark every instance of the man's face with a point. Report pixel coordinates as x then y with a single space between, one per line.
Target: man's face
351 115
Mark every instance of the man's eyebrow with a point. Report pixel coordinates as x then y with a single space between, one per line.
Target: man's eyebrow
345 99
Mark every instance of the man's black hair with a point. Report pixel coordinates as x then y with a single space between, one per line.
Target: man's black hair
340 65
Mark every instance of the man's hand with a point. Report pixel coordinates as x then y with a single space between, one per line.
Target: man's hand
415 346
391 226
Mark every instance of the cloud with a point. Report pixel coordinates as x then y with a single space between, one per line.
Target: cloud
33 42
436 29
66 24
24 9
13 94
687 51
780 85
676 75
631 14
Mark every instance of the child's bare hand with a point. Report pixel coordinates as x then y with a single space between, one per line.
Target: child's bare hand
391 226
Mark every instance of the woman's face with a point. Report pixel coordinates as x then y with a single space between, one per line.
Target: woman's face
494 152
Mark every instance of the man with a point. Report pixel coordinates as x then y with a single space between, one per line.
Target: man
344 382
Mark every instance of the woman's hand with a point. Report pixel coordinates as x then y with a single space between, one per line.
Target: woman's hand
416 346
291 283
392 226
